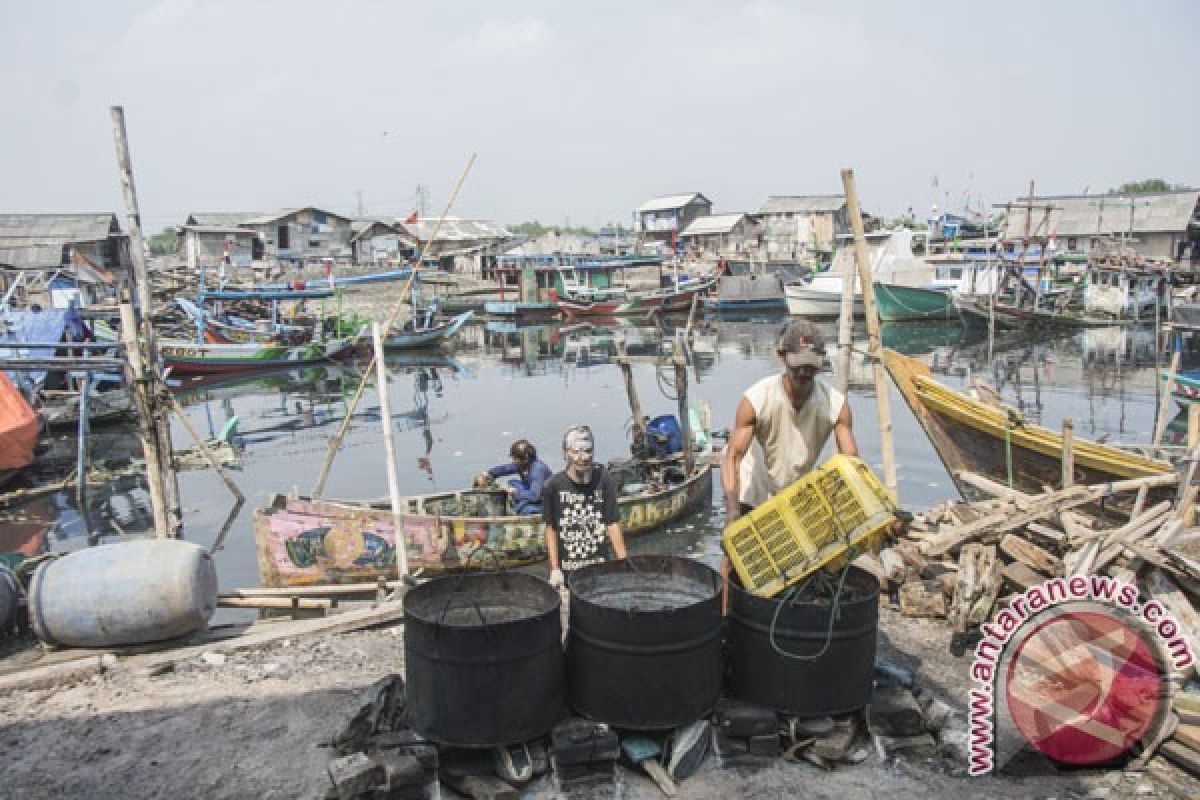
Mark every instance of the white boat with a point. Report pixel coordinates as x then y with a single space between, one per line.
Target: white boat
892 262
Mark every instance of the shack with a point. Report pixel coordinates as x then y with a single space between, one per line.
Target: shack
798 226
53 258
300 236
719 235
659 220
460 245
1159 226
377 242
212 239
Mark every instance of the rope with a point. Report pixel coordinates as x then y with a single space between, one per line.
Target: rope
834 607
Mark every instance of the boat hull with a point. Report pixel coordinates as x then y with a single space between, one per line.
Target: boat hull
905 303
194 359
975 437
429 337
303 542
808 302
634 303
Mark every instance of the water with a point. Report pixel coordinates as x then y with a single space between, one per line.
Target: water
456 414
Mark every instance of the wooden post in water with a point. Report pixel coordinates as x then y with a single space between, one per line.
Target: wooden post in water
1068 453
685 424
1193 434
635 407
846 322
875 348
1160 416
389 446
146 339
135 376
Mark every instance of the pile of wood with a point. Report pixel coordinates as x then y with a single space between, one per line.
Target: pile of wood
965 561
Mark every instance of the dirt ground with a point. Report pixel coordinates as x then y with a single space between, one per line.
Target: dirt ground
257 726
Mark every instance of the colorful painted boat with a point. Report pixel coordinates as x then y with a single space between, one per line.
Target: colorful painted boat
997 443
192 358
896 303
629 303
1185 388
427 335
300 541
521 310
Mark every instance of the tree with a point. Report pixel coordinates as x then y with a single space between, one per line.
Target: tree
164 243
1147 186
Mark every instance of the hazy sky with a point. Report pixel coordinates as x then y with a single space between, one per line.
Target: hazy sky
581 111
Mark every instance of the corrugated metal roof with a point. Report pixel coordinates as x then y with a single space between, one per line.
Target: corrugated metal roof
455 230
267 219
219 229
670 201
713 224
362 226
58 227
221 219
1091 215
803 203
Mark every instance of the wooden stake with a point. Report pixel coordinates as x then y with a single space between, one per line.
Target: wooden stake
1160 421
135 377
1193 434
681 392
385 413
1068 453
875 349
846 324
635 407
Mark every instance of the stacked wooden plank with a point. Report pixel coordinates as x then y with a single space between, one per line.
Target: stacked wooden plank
964 562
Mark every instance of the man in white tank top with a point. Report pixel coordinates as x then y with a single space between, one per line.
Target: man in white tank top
782 424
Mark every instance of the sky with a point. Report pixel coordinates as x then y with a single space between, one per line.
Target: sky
578 112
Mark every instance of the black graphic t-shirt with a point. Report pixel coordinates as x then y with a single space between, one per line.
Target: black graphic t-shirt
581 513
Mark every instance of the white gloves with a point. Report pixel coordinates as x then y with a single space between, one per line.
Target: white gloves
556 578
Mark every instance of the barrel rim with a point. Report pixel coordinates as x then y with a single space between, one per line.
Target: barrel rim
418 595
701 572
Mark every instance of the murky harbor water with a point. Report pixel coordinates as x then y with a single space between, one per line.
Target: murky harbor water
455 414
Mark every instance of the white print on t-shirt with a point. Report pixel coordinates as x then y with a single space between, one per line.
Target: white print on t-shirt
582 528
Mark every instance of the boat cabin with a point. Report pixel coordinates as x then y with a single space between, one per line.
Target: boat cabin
1125 292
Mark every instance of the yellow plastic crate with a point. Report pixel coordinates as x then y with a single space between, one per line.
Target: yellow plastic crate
838 507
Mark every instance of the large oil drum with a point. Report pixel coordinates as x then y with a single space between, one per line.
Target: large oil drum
644 642
763 640
143 590
483 659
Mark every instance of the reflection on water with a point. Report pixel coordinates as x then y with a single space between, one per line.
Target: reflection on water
456 414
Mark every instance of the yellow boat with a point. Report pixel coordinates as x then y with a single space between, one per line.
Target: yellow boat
996 442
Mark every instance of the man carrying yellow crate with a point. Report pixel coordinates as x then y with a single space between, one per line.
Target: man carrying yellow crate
782 424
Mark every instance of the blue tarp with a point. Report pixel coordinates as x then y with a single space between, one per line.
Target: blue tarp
32 326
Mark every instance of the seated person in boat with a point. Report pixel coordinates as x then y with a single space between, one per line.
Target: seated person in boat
579 506
531 474
782 424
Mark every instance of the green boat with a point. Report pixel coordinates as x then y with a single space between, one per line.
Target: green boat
1185 388
899 303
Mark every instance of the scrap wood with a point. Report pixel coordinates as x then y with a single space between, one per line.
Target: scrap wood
922 599
977 588
1167 592
1182 756
1030 555
1021 576
1022 499
1111 546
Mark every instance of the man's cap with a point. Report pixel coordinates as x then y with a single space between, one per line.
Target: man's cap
801 344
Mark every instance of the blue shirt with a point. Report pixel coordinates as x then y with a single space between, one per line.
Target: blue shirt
528 496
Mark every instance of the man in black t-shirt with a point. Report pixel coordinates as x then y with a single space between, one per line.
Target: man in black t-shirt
579 507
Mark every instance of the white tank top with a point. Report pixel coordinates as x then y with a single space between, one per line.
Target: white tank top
787 442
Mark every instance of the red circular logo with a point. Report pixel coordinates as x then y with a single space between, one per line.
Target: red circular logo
1084 687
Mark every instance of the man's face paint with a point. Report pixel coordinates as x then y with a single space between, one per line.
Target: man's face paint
579 448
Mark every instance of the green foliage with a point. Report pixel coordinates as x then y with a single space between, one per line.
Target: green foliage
536 228
1147 186
164 243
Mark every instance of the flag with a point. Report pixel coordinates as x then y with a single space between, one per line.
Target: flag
411 219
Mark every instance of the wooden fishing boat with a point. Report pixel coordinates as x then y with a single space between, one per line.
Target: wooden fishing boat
19 428
997 443
302 541
1185 388
759 292
620 302
192 358
521 310
974 311
428 334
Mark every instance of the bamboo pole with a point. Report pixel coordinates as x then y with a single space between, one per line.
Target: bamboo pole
875 349
389 447
147 338
1160 416
336 442
1193 419
1068 452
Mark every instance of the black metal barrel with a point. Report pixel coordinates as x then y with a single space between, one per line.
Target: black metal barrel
838 681
644 643
483 659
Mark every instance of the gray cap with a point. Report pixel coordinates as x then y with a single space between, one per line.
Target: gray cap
801 344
